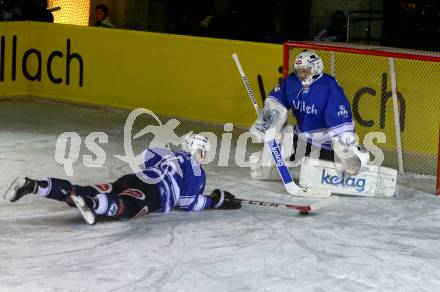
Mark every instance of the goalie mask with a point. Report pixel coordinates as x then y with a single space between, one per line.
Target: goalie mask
194 144
308 66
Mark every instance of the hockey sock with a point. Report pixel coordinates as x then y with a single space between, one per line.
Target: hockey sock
54 188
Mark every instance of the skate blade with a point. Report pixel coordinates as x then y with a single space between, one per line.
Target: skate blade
85 211
11 194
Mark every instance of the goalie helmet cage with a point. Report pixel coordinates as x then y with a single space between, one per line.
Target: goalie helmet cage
371 76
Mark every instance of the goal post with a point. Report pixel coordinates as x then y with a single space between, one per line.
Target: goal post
438 165
392 91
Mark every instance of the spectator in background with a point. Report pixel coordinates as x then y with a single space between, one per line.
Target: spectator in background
101 16
336 31
231 19
241 19
216 21
278 27
249 20
10 10
188 16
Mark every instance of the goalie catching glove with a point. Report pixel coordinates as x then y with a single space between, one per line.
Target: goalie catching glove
224 200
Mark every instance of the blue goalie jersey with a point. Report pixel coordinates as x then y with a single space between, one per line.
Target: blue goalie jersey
180 178
321 109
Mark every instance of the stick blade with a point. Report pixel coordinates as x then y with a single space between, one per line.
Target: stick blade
295 190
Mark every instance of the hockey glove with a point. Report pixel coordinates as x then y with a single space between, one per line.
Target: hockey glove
349 154
224 200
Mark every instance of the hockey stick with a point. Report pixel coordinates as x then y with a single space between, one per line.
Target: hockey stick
291 187
304 209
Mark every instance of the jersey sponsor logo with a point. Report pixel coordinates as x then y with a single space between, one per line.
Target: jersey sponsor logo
342 111
348 182
302 106
277 155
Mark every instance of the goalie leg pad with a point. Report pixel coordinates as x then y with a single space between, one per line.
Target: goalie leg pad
370 181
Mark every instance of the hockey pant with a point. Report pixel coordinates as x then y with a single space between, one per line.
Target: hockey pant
125 198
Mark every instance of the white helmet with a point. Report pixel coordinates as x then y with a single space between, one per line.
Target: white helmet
308 59
194 142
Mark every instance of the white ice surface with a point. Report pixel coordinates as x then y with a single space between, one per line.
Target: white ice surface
357 244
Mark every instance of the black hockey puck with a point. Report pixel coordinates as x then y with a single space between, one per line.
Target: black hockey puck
303 213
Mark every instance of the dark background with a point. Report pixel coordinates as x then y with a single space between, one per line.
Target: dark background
403 24
413 24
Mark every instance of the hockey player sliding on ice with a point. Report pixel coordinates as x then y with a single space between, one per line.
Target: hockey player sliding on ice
169 180
324 125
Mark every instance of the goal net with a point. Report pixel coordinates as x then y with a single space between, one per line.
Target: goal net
392 91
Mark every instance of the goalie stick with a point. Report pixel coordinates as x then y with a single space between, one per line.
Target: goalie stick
291 187
304 209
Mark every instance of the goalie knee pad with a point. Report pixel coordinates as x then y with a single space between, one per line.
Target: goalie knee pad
256 165
261 165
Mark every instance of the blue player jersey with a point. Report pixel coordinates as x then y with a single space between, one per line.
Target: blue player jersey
180 178
321 109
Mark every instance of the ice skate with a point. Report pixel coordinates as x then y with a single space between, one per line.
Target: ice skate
85 207
20 187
